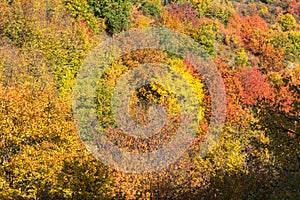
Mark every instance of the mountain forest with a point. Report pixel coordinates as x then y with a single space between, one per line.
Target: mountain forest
255 47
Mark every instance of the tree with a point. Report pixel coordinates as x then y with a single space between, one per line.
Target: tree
150 8
41 153
253 36
207 34
286 22
220 9
180 18
116 13
294 8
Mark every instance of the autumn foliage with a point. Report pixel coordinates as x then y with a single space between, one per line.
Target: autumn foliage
255 46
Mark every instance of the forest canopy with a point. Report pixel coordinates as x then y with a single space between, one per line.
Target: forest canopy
254 44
